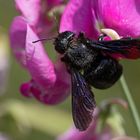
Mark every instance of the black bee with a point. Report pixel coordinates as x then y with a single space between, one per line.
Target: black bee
91 63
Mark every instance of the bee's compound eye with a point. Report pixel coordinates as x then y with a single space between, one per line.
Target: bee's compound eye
61 42
61 46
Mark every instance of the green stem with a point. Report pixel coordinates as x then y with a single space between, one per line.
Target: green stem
131 103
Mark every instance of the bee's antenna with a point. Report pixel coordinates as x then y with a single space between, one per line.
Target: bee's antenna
43 39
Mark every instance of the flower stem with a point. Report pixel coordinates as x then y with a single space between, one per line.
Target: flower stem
131 103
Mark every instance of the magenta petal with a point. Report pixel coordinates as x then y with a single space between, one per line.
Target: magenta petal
120 15
61 89
78 17
30 9
52 95
25 89
17 38
31 89
32 56
39 65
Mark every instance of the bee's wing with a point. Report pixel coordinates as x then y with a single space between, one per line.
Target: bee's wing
123 42
125 47
83 102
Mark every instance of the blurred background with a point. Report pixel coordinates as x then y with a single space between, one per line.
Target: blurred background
24 119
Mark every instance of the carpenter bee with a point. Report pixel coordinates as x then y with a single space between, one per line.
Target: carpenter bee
91 63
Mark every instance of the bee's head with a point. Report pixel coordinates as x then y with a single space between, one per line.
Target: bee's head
62 41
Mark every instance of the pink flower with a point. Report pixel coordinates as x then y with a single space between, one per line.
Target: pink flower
49 83
90 16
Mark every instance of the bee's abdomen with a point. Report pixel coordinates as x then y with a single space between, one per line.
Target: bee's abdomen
103 73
